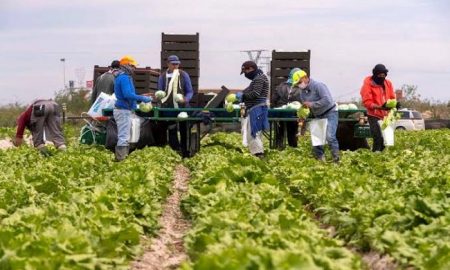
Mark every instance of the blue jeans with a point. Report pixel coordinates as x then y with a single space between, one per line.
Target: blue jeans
332 141
123 121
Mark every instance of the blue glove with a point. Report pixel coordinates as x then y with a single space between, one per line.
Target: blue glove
239 96
147 99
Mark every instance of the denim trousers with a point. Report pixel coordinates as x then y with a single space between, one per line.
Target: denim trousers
332 141
123 121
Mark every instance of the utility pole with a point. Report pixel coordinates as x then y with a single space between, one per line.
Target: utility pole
63 60
266 63
257 55
255 58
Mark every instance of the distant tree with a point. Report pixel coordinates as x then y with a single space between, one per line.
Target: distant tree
76 100
413 100
9 114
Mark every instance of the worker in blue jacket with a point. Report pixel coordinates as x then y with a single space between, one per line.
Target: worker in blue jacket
126 102
181 85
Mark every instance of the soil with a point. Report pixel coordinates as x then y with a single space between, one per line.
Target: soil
166 250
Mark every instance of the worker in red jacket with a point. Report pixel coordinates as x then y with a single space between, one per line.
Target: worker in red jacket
41 115
375 92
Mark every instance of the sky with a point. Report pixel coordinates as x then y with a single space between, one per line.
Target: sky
347 38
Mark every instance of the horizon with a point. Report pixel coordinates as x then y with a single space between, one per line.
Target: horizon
346 38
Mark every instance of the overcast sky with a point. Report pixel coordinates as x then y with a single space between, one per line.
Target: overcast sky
346 38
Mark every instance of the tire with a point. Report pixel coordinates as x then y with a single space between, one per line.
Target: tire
400 128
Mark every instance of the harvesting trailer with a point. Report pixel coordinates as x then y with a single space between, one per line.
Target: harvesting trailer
206 110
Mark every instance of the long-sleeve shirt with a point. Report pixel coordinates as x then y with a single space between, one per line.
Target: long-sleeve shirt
318 94
126 93
256 92
373 95
23 121
284 94
185 83
105 84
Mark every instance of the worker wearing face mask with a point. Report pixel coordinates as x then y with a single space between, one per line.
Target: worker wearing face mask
376 90
316 96
255 100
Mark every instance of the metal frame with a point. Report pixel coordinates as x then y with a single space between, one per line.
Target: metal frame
194 123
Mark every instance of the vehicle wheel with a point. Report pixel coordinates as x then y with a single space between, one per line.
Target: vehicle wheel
400 128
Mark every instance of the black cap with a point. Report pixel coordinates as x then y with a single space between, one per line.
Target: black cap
248 64
115 64
378 69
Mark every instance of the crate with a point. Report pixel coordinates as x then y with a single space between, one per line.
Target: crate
362 131
187 48
283 62
145 79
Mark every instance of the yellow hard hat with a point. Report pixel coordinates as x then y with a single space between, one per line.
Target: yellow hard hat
297 76
128 60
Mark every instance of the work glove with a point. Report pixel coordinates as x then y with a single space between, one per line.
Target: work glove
239 96
147 99
384 107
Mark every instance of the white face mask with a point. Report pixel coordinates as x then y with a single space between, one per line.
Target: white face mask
302 85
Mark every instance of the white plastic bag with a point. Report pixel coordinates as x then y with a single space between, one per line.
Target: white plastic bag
103 101
318 129
388 134
135 131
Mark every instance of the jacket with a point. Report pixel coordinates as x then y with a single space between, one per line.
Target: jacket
284 94
184 85
318 94
24 119
373 94
105 84
126 93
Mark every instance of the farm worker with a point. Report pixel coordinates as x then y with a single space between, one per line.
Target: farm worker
125 104
375 91
284 94
316 96
105 82
175 81
256 110
42 115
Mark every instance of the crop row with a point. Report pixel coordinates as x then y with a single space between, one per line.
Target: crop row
78 209
244 217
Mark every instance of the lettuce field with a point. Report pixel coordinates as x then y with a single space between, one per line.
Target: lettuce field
80 210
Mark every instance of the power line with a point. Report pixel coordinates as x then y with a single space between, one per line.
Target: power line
255 58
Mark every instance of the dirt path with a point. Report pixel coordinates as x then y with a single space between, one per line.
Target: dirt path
5 144
375 261
166 251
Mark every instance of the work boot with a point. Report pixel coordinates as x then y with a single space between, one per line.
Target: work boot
260 156
335 155
321 158
121 153
62 147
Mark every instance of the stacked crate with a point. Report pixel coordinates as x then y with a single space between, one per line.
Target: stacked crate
143 78
283 62
186 47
